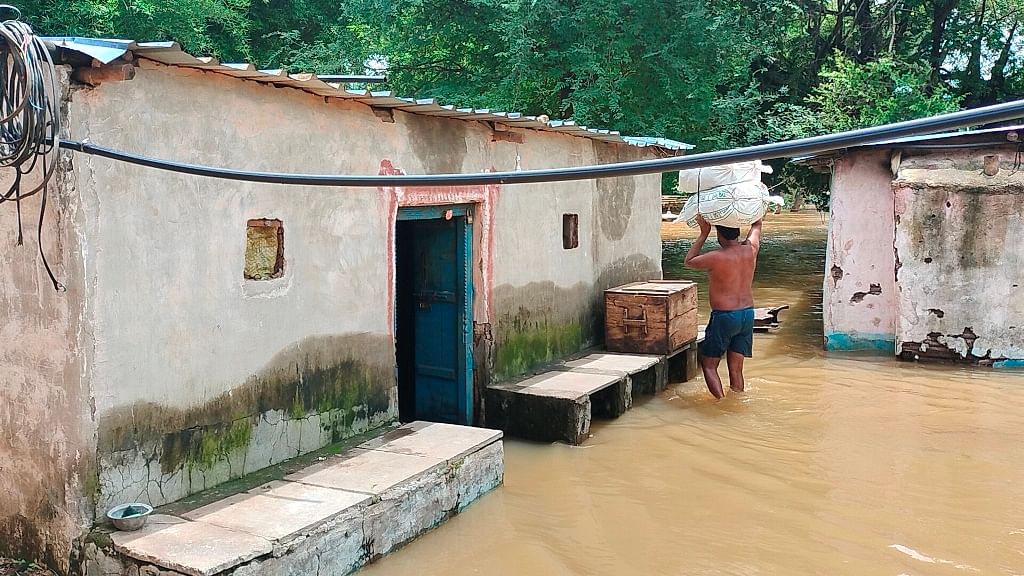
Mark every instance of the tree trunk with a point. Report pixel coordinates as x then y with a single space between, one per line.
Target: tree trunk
798 200
972 83
941 10
868 30
997 84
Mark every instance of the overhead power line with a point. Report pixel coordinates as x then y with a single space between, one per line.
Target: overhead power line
788 149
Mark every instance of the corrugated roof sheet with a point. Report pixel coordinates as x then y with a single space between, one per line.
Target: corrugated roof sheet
660 142
170 53
920 140
945 136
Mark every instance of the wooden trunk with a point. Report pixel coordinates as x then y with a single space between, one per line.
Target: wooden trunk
654 317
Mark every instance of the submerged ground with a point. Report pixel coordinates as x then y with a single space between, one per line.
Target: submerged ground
829 464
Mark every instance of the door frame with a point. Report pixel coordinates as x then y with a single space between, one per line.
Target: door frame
465 320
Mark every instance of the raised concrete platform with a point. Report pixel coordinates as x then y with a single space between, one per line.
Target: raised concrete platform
330 518
646 373
559 404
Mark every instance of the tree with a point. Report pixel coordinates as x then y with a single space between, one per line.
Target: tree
213 27
878 92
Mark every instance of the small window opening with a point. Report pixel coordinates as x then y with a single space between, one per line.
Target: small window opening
570 231
264 249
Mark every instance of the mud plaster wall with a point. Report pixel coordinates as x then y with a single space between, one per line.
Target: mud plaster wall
535 301
960 245
46 434
860 291
548 300
201 376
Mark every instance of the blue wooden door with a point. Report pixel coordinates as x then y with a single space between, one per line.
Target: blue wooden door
439 279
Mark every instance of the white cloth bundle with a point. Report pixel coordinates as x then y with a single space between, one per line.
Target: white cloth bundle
730 195
701 179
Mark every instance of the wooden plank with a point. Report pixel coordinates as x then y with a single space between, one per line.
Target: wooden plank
766 319
682 329
682 302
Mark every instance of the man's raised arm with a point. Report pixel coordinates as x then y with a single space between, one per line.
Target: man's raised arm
694 259
754 235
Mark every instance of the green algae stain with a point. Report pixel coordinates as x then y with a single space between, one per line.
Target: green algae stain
238 435
530 348
347 385
297 411
337 393
209 450
344 382
204 446
91 482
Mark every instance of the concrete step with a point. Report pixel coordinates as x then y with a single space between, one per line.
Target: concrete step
330 518
647 373
558 405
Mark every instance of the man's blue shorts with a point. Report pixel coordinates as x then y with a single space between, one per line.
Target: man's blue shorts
730 330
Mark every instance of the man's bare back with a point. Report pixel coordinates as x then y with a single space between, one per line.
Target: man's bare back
730 279
731 276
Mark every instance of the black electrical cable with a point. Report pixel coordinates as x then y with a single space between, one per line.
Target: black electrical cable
29 118
788 149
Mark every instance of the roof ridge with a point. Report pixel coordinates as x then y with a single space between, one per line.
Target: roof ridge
170 53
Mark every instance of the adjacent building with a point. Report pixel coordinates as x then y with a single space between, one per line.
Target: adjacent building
925 247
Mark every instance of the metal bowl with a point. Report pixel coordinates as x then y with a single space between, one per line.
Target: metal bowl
129 517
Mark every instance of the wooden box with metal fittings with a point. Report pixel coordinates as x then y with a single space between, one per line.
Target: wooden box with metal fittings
652 317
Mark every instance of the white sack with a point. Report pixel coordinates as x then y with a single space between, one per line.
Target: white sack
701 179
732 206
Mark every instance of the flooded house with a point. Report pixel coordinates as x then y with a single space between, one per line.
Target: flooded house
210 328
925 247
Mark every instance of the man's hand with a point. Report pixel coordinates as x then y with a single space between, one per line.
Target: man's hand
705 227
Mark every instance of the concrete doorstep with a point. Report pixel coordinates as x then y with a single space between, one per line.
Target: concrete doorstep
330 518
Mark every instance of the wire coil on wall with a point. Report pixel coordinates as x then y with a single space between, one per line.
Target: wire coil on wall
29 119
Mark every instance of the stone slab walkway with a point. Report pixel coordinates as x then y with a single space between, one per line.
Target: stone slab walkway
330 518
559 404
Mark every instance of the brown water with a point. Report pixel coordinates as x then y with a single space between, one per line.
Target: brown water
829 464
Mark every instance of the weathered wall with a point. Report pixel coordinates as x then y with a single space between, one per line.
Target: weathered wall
46 436
548 300
200 375
960 248
860 288
536 301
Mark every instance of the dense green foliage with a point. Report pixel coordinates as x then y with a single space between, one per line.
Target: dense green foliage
716 73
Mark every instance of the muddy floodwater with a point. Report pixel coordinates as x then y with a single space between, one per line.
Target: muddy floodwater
829 464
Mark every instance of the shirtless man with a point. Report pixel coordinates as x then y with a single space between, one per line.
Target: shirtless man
731 327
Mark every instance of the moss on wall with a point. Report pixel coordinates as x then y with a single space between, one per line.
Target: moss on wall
540 322
527 349
339 379
202 447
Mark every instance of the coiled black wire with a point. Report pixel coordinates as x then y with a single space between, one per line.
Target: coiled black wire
29 119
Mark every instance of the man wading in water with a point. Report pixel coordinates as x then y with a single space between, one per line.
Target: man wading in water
731 328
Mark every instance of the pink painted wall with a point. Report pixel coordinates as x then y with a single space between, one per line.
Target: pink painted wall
860 301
